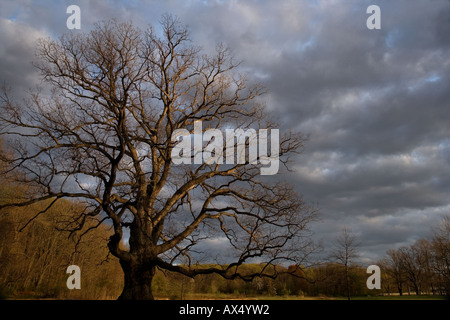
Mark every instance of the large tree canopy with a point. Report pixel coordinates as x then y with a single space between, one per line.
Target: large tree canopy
103 137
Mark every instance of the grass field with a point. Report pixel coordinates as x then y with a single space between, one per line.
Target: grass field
291 297
404 297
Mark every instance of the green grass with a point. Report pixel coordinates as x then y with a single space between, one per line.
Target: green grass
404 297
223 296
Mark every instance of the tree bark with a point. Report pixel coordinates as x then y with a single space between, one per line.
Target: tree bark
400 290
347 279
137 281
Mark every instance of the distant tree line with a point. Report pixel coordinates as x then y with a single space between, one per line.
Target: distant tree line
421 268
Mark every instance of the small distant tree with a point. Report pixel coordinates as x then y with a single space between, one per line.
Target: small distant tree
345 252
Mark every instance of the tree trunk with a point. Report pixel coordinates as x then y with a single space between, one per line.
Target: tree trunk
137 281
417 289
347 280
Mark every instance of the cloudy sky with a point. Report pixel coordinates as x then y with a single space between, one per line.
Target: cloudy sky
376 103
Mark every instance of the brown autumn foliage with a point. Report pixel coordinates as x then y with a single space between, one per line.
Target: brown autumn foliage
34 257
35 252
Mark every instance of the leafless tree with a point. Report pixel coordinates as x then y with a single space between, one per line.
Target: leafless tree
103 137
413 261
345 251
441 254
424 265
395 269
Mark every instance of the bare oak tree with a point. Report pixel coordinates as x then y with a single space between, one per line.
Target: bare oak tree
103 137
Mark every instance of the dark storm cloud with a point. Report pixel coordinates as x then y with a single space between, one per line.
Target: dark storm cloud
376 103
16 55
